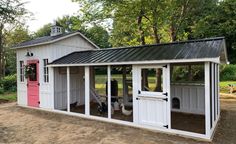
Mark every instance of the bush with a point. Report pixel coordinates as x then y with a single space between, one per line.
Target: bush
8 83
228 73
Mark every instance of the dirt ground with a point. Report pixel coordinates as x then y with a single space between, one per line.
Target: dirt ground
23 125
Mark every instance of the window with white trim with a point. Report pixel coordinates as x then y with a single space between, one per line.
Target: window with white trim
45 71
22 77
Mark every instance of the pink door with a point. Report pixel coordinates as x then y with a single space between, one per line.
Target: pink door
33 83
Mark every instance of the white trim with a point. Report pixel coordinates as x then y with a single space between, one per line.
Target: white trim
59 39
216 60
87 90
212 92
68 88
125 123
207 99
168 113
109 90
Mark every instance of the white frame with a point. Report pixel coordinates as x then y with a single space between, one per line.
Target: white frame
151 93
136 73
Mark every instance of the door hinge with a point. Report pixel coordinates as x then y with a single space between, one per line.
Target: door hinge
38 102
139 92
166 126
38 84
166 94
165 66
165 99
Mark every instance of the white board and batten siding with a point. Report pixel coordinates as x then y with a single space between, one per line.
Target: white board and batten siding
191 97
51 52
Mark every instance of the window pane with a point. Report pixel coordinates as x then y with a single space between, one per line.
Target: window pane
33 75
152 80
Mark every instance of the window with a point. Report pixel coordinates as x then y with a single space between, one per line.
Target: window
152 80
176 103
45 71
33 74
22 71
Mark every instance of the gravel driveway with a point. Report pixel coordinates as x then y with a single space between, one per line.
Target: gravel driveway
23 125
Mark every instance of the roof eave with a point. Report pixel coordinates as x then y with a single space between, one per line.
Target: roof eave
215 60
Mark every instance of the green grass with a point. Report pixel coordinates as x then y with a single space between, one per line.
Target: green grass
10 96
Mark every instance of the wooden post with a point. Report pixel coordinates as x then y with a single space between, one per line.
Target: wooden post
207 98
87 90
68 88
109 90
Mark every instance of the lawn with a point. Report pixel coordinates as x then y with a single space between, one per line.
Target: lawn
224 86
8 97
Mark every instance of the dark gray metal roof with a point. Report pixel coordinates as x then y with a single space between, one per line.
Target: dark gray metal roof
193 49
41 40
50 39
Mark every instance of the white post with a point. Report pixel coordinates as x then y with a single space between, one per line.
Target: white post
212 92
68 88
207 99
87 90
109 90
52 89
135 81
218 85
168 75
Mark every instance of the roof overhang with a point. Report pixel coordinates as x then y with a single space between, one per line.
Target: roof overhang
215 60
56 40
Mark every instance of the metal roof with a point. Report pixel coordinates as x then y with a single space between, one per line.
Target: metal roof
193 49
50 39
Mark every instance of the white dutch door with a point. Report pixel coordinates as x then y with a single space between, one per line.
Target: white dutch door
152 96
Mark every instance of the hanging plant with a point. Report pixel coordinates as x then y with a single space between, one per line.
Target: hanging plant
29 70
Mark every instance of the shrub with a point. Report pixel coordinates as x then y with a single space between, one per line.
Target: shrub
228 73
8 83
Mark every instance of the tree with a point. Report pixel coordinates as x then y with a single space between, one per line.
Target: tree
43 31
99 36
10 12
222 22
13 37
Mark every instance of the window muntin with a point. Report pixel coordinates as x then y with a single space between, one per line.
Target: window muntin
45 71
22 78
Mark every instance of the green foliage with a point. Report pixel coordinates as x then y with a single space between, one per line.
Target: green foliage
188 73
8 83
44 31
221 22
99 36
13 37
228 73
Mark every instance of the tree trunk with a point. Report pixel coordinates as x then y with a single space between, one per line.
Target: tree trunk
155 25
173 33
142 41
140 27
